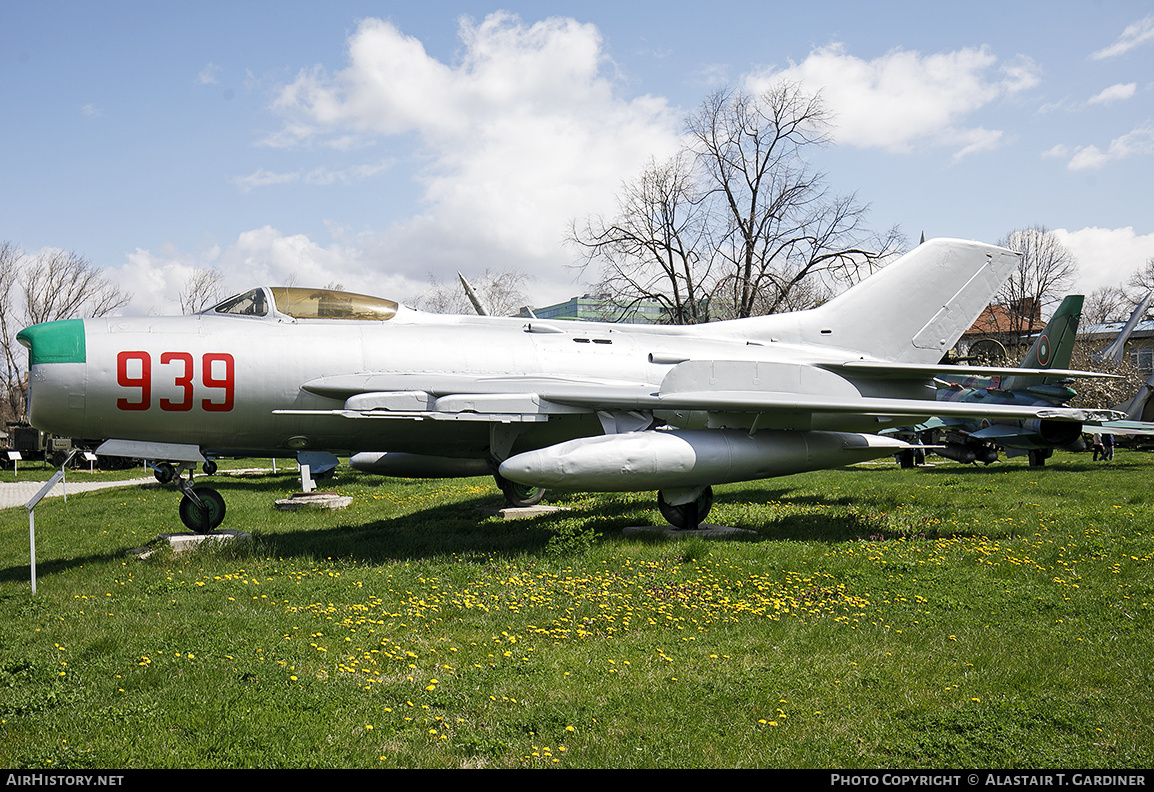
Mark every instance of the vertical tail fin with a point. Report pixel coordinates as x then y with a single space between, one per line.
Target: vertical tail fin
1139 407
1116 350
1054 346
915 309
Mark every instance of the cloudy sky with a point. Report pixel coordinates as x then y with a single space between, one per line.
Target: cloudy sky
375 143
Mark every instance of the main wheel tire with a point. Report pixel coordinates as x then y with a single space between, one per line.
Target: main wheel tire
687 516
164 472
519 495
202 519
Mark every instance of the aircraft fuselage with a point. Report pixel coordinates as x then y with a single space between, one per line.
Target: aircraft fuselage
224 382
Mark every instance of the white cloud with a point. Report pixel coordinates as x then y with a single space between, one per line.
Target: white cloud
208 75
264 255
1114 93
316 176
1136 143
1106 256
904 99
321 176
392 86
1087 157
712 75
973 141
263 178
523 133
155 281
259 257
1141 32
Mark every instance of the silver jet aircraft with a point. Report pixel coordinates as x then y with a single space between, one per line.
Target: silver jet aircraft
577 406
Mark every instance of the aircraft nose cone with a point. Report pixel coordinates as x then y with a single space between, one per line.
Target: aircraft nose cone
57 363
54 342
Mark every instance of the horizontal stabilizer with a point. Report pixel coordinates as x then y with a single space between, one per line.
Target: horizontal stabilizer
884 370
756 402
1121 428
925 426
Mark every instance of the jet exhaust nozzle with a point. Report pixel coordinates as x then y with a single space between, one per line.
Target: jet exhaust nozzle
1055 433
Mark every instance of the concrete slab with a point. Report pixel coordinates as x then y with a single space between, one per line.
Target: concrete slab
314 500
705 531
521 512
182 542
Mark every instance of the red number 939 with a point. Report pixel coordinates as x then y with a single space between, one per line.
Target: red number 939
217 378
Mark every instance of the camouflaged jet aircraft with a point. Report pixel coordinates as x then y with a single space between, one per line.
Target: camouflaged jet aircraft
577 406
969 439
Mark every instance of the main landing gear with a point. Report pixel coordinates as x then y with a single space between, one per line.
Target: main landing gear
201 508
518 495
686 516
1038 456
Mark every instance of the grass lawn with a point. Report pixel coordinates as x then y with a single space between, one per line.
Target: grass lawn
943 617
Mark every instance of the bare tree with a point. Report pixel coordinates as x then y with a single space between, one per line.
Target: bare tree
739 221
10 324
782 228
1046 270
50 286
1106 304
502 292
1141 282
657 248
201 290
60 285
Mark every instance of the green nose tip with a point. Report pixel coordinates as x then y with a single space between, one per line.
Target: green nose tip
54 342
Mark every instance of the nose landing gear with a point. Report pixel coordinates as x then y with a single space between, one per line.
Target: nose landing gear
202 508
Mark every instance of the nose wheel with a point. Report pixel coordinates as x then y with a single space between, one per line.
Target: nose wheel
202 508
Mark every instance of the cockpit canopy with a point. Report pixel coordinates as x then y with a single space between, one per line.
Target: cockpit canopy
307 304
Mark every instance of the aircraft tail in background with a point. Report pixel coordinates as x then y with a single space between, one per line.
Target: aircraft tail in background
1054 346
